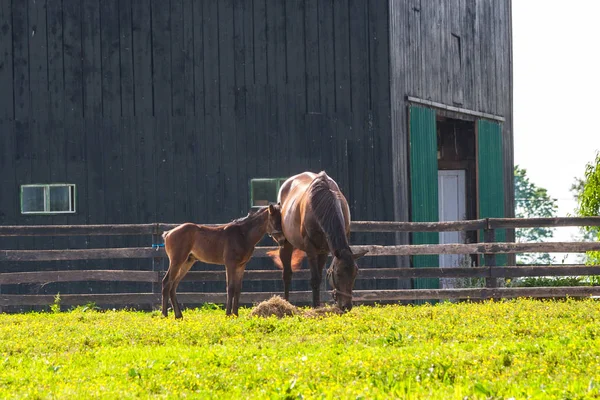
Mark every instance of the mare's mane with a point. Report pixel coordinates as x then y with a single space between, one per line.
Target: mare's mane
326 206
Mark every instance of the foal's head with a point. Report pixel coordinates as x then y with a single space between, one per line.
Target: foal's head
342 274
274 229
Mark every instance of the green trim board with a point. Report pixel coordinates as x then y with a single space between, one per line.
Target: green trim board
424 185
490 178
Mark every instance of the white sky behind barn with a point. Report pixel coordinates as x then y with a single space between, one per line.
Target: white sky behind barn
556 51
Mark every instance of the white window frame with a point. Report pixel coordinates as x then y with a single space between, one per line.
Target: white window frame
46 187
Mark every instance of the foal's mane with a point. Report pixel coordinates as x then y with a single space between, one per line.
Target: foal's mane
325 203
249 217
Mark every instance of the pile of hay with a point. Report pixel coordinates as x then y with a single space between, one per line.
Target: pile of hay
323 311
277 306
280 308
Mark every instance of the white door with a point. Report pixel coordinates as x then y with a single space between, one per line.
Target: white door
452 193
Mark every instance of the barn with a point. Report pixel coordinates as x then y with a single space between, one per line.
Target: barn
140 111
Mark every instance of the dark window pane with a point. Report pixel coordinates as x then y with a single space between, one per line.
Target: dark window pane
264 192
59 199
33 199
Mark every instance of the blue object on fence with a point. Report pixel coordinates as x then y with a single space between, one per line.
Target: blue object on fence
157 246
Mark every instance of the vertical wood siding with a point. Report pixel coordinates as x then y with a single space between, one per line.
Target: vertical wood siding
165 110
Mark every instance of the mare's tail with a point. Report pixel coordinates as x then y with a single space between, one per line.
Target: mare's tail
297 257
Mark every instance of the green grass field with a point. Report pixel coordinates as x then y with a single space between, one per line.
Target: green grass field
515 349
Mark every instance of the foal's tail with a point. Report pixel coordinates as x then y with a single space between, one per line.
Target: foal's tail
297 257
165 234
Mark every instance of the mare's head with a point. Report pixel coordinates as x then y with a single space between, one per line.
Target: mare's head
342 274
274 229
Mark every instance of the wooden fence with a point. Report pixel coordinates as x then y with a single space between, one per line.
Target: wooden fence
488 249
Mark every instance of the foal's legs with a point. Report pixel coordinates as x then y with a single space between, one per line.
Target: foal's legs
185 267
316 263
235 276
177 270
285 255
166 289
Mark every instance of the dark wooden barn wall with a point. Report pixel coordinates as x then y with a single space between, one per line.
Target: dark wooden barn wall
455 52
164 110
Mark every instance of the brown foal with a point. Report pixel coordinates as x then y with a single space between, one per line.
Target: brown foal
229 244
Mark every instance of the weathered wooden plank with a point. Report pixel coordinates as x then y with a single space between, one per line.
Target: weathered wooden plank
259 19
359 296
83 254
295 51
56 96
227 84
391 226
356 226
341 46
142 58
146 162
553 270
6 63
210 26
179 86
38 75
181 173
189 149
8 204
359 69
92 62
9 278
198 56
373 250
161 57
311 48
14 278
326 57
475 248
127 83
20 66
495 223
380 273
115 164
241 132
80 299
165 160
111 59
72 58
226 56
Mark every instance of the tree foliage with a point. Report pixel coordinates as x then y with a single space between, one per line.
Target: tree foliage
586 234
532 201
588 200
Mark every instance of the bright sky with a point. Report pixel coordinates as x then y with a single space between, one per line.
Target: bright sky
556 93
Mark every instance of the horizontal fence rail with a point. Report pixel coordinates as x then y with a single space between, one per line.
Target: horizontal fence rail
373 250
355 226
359 296
489 273
43 277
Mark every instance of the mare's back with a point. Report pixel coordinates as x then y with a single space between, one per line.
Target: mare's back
295 185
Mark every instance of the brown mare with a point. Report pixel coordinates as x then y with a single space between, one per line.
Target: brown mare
315 218
229 244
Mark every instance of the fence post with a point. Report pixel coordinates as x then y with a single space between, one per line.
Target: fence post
156 261
489 236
